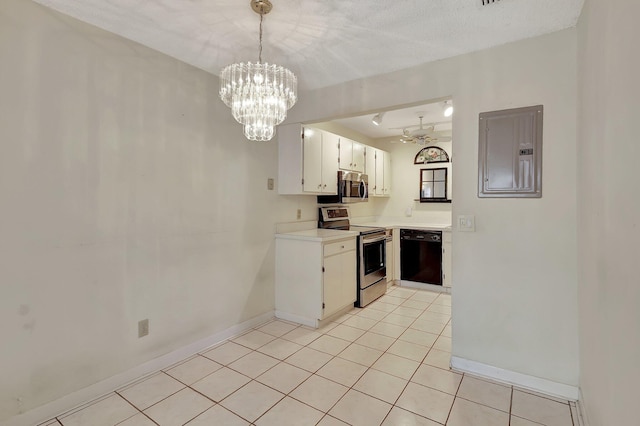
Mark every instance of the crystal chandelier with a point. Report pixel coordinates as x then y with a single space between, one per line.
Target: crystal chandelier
259 94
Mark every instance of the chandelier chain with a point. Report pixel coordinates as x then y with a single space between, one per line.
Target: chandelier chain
260 50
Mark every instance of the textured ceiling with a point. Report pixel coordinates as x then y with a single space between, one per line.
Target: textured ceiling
324 42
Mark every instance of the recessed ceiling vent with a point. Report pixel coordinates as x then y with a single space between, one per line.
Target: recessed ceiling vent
488 2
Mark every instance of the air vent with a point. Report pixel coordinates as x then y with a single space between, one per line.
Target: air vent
488 2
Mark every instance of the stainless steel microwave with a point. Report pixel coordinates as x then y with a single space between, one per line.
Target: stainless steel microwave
353 187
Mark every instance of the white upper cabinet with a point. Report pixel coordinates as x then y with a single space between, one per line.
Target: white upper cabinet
351 155
382 186
330 155
370 167
307 160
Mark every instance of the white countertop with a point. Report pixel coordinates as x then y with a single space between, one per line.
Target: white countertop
445 227
315 234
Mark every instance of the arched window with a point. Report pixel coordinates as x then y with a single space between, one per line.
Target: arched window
431 154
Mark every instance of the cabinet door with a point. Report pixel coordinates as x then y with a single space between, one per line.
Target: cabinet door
357 157
332 293
330 155
387 173
346 154
370 167
379 188
312 160
349 277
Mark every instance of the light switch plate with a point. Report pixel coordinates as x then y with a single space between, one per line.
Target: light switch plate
466 223
270 184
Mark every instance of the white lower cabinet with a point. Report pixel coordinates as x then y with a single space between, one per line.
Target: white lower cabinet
446 259
314 279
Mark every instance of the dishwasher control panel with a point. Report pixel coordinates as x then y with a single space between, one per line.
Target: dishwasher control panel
419 235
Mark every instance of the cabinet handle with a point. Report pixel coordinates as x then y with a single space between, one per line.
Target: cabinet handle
320 186
354 164
341 246
324 186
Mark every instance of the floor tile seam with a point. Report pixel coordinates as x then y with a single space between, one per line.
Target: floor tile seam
237 390
483 404
364 393
510 405
421 415
182 361
333 417
573 421
524 418
364 365
272 356
155 403
257 347
206 409
305 403
454 401
244 374
263 414
312 372
276 319
207 375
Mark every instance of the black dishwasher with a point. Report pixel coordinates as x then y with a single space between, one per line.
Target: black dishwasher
421 256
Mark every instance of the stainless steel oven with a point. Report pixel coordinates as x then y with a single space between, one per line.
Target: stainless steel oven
372 282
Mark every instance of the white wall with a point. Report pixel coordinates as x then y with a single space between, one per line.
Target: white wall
405 185
514 279
609 209
126 192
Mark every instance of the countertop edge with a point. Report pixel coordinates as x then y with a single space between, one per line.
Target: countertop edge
299 235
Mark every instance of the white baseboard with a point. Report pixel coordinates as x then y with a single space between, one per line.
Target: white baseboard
583 420
525 381
82 396
297 319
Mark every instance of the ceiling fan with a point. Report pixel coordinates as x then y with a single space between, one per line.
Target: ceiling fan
422 135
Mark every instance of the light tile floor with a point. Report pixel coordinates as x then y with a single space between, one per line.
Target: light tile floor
387 364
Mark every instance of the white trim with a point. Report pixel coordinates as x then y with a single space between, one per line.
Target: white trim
73 400
583 420
297 319
525 381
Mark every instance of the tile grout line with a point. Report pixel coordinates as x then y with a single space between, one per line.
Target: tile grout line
396 339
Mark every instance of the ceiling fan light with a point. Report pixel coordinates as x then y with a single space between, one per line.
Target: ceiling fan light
377 119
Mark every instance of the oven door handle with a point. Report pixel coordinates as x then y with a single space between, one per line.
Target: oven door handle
366 240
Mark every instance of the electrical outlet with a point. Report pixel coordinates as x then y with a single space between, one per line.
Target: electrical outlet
143 328
299 214
270 184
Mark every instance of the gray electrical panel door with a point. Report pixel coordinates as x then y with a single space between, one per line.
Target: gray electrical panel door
510 153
